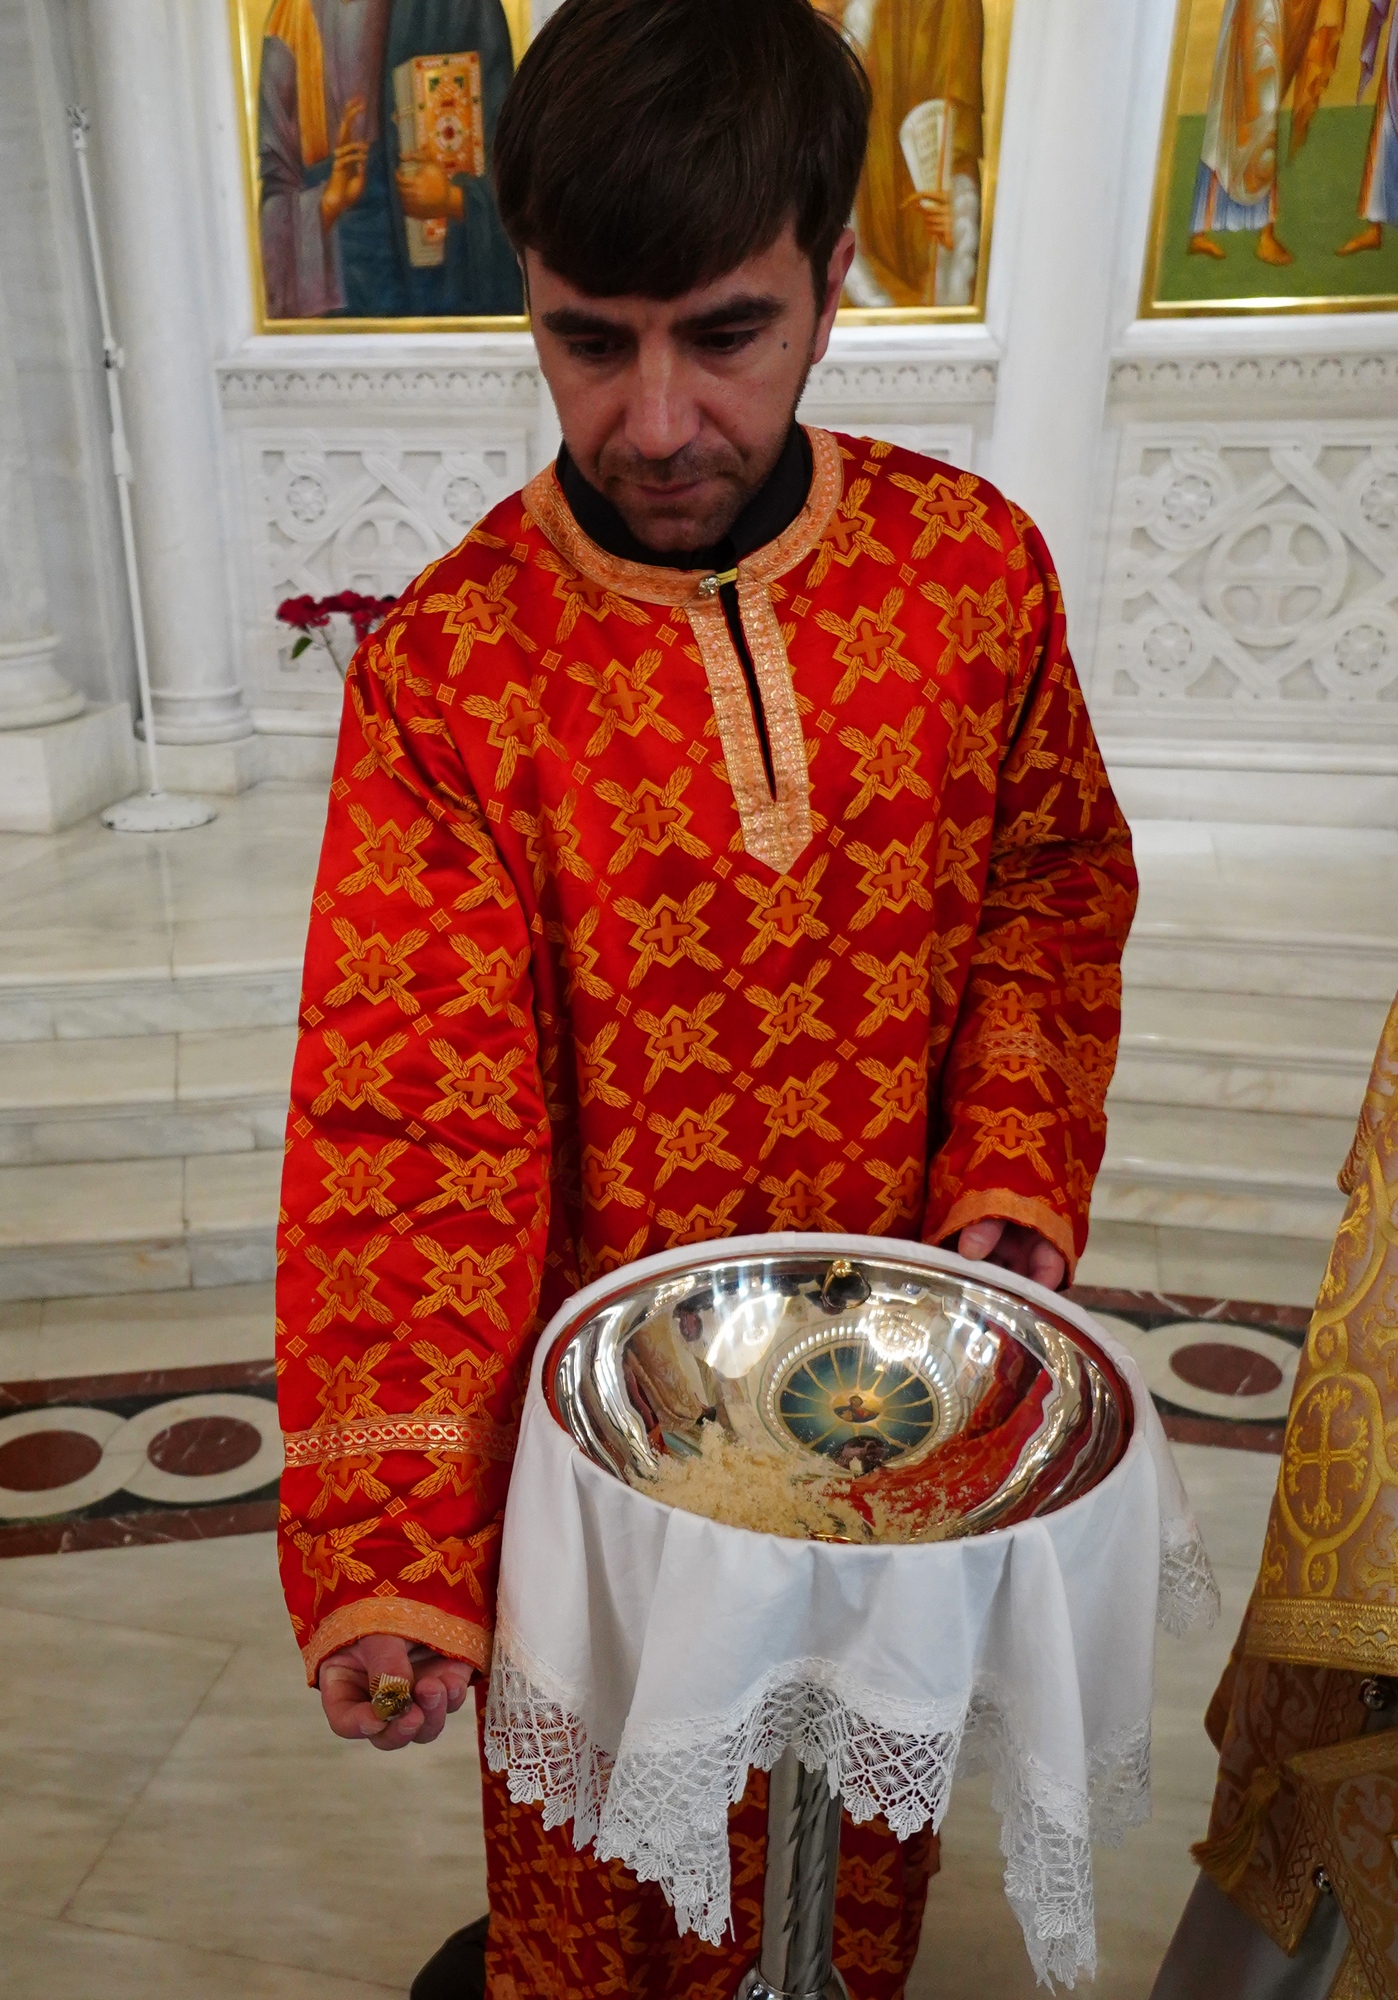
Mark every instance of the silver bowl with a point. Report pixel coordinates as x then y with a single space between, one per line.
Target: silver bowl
957 1401
966 1406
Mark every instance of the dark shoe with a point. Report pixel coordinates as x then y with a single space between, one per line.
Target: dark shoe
457 1971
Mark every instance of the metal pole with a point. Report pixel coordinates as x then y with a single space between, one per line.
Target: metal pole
159 811
796 1957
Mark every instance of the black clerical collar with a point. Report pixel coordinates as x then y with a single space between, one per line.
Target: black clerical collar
771 509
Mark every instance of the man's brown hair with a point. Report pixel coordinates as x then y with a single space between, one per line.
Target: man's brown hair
648 146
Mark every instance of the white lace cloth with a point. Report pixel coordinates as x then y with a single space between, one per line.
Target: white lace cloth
646 1658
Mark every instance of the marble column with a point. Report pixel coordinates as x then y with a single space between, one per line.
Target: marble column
32 691
1068 106
146 165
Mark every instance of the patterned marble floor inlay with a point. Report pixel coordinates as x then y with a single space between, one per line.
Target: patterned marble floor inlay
1220 1370
183 1454
104 1461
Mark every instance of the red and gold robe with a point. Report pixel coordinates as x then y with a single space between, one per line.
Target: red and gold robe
580 985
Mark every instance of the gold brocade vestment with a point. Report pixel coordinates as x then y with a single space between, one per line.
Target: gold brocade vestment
1324 1612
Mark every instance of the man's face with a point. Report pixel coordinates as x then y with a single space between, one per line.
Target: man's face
677 409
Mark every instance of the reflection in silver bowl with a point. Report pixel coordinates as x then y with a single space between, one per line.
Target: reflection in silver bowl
959 1406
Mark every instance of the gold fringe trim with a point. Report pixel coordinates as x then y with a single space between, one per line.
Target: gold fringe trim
1225 1858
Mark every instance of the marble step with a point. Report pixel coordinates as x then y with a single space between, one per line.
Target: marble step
144 1096
138 1225
1256 1173
1198 1201
1183 1262
110 934
139 1097
104 1005
1246 1051
1161 954
156 1224
1303 911
1246 959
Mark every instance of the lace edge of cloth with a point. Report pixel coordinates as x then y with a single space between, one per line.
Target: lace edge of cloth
663 1812
1188 1591
1048 1828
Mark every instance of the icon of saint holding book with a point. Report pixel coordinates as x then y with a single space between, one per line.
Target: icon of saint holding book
375 122
917 217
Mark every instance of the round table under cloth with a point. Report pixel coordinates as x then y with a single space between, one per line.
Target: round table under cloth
646 1657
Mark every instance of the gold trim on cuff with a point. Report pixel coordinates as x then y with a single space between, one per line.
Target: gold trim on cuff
1004 1205
397 1618
456 1435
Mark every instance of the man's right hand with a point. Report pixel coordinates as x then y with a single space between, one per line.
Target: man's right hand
348 168
439 1688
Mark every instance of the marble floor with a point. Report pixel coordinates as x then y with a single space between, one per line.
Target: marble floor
233 894
174 1817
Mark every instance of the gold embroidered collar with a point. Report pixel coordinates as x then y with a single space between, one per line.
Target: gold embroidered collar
777 824
651 583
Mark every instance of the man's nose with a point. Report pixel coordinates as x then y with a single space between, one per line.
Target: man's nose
662 414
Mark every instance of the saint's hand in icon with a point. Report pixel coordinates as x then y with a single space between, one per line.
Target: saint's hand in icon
360 216
348 168
937 218
428 193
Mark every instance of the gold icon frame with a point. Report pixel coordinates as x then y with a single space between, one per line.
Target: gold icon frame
1184 65
246 18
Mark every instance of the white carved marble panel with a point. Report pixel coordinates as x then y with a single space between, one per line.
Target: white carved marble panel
1198 366
932 403
328 510
1251 580
351 474
857 377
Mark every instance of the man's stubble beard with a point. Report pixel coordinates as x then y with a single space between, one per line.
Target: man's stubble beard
653 527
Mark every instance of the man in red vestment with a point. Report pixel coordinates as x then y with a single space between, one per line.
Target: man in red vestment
717 844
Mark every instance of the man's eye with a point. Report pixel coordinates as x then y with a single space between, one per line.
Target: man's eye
597 348
728 341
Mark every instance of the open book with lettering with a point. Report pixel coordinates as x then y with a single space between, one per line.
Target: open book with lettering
925 136
437 104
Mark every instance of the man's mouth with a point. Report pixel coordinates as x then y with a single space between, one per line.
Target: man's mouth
671 493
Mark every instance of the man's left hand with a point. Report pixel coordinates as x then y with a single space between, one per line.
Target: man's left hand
1016 1246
